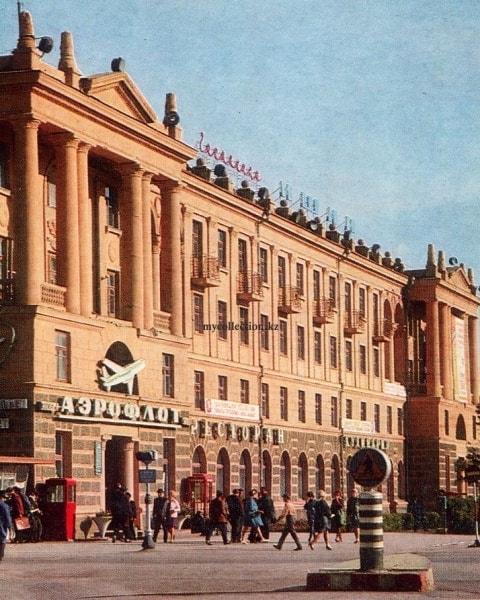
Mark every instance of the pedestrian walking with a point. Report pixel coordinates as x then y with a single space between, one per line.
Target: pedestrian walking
235 514
171 511
353 514
35 518
158 521
120 512
20 513
6 525
309 508
322 521
267 508
132 516
252 518
218 518
289 513
417 509
338 516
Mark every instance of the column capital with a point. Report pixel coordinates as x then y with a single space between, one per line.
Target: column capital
130 168
25 122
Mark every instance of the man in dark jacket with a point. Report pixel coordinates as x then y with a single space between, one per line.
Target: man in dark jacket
235 514
157 516
218 518
266 506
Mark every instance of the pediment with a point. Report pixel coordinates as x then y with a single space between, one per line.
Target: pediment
458 278
118 91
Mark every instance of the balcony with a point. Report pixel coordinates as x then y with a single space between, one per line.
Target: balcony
383 330
249 287
355 322
323 311
289 300
53 294
205 272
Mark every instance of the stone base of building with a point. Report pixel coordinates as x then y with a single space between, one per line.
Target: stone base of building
401 573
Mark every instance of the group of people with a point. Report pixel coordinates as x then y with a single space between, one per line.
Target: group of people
165 515
324 518
20 517
124 514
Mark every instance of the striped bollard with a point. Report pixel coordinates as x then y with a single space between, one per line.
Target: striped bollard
371 531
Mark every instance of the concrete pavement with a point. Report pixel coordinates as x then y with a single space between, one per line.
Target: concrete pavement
189 568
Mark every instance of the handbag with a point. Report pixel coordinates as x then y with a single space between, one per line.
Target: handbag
22 523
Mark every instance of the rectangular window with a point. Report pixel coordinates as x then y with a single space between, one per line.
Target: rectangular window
376 417
300 279
263 264
334 411
168 372
348 355
317 347
244 391
243 316
6 270
113 293
222 248
242 256
363 411
264 333
348 296
400 421
318 409
198 313
376 310
284 404
199 392
316 286
62 356
4 166
222 387
376 362
333 352
389 419
283 337
52 188
301 343
265 401
332 291
222 320
301 406
282 272
363 360
113 207
348 408
52 268
362 303
447 422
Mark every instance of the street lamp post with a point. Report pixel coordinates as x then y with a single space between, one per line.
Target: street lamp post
147 477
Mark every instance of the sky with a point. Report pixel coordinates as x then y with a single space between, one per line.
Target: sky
368 107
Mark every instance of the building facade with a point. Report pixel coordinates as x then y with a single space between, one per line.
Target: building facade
147 302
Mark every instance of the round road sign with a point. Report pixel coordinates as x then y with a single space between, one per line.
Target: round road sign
370 467
472 473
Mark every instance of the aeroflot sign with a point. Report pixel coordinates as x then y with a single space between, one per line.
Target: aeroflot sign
95 409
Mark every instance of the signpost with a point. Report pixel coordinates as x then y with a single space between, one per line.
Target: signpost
147 476
369 468
472 475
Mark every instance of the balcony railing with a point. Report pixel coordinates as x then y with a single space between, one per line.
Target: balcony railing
354 322
289 300
383 330
205 271
249 287
53 294
323 311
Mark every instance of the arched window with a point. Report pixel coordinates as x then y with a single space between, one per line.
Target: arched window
120 354
199 461
223 472
285 474
267 470
245 471
320 474
302 475
461 430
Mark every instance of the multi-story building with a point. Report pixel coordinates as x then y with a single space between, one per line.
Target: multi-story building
147 304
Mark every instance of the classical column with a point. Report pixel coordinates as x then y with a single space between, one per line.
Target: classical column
128 466
133 178
473 356
29 214
147 253
85 233
172 292
68 250
446 351
187 252
433 350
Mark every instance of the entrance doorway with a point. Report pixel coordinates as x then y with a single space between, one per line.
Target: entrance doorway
120 466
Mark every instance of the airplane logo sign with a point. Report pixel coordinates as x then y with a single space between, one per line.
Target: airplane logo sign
114 374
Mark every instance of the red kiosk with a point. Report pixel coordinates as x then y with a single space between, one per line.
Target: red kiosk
199 492
59 507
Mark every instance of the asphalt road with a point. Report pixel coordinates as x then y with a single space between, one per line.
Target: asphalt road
188 568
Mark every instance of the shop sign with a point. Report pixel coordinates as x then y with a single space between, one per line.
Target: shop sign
350 441
232 410
231 431
13 403
356 426
96 409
